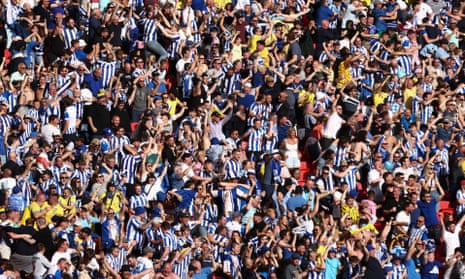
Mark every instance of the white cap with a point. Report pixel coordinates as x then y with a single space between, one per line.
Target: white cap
86 96
157 220
337 195
320 95
82 43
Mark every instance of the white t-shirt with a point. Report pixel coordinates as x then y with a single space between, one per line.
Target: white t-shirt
181 63
70 116
333 125
143 264
407 172
452 241
233 226
152 190
402 217
41 265
58 255
48 131
189 174
7 184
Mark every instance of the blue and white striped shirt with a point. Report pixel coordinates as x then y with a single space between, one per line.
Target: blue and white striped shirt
83 175
138 201
150 30
69 35
169 241
426 113
116 141
256 140
108 71
351 179
133 231
233 169
152 234
232 265
340 155
129 163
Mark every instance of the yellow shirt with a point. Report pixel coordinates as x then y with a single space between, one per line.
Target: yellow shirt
462 165
253 42
378 98
344 75
352 211
55 210
320 251
220 4
265 55
173 104
26 215
271 39
409 94
113 202
71 200
366 3
35 207
309 99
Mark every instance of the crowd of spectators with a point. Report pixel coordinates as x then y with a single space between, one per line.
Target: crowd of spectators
247 139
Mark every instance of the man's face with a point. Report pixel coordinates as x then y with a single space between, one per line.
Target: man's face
166 270
98 73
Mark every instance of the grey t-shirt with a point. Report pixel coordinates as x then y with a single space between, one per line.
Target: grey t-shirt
140 99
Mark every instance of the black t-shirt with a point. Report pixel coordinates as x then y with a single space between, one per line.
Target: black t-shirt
55 47
116 31
461 25
43 13
373 269
378 129
21 246
100 116
389 204
44 236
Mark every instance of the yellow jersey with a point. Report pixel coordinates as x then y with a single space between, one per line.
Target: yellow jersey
310 98
344 75
71 200
265 55
352 211
409 94
253 42
173 104
55 210
113 202
378 98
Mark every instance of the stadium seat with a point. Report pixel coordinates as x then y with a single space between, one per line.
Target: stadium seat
134 126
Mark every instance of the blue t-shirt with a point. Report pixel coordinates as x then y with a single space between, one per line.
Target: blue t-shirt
94 84
295 202
323 13
411 269
332 266
80 55
257 80
187 197
379 23
246 101
430 270
429 211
